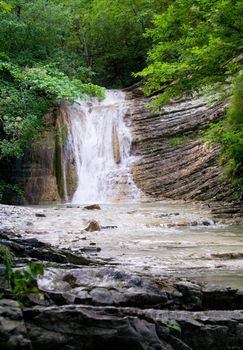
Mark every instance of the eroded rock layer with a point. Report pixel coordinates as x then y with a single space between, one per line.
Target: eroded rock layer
173 162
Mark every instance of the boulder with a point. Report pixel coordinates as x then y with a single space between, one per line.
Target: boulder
92 207
93 226
13 333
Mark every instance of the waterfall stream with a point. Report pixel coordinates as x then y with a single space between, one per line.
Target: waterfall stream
100 142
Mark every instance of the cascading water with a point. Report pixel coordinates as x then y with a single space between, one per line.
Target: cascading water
101 144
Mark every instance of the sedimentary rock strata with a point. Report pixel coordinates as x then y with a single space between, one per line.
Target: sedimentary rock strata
173 162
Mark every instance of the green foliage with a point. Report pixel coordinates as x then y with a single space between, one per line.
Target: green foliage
111 33
8 259
172 326
229 133
5 7
195 43
25 96
5 187
21 282
197 47
24 280
35 55
92 40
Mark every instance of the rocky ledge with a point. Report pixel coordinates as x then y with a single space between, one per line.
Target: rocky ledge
81 327
228 212
89 306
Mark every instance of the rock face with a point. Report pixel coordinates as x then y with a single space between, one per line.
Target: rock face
34 249
173 162
40 171
13 334
229 212
76 327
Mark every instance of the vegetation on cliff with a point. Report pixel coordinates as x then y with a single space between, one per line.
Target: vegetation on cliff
30 81
197 46
229 132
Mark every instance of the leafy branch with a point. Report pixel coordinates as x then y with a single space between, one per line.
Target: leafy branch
21 282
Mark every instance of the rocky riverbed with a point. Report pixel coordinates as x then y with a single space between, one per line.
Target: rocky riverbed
136 283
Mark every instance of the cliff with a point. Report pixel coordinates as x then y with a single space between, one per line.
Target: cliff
173 161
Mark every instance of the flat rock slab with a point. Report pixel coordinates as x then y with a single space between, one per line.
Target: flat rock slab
109 286
98 328
34 249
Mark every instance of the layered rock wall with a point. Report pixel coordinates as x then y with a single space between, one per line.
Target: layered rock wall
173 161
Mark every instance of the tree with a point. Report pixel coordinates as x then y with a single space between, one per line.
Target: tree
195 43
109 34
32 35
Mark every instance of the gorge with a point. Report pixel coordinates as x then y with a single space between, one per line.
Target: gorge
141 275
121 175
160 154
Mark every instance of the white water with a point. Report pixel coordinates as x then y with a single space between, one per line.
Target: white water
101 143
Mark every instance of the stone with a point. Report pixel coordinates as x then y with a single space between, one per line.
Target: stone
206 223
29 223
109 227
92 207
116 146
77 327
13 333
228 212
98 328
36 250
40 215
187 171
93 226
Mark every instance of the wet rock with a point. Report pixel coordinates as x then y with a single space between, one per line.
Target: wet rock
217 330
228 212
71 280
34 249
222 298
227 256
29 223
90 249
166 215
92 207
206 223
99 328
13 333
77 327
93 226
191 295
182 224
116 146
109 227
40 215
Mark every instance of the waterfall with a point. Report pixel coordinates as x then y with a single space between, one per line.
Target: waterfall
100 142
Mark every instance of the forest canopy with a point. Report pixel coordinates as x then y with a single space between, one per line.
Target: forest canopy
54 50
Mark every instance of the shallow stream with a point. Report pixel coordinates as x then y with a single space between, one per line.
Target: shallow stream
160 238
